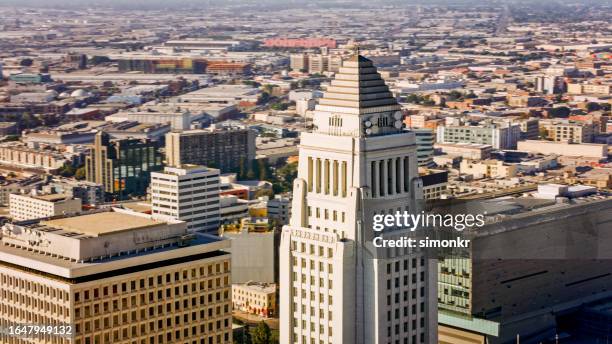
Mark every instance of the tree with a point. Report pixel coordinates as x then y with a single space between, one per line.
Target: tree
262 334
279 106
591 106
27 62
455 95
470 95
80 173
242 169
68 170
95 60
268 88
285 175
560 112
263 169
243 336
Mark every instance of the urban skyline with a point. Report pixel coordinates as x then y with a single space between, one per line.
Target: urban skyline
305 172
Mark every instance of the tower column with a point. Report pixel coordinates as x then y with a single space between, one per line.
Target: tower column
393 186
385 176
401 174
377 183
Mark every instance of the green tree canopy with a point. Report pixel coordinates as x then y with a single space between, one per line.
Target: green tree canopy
262 334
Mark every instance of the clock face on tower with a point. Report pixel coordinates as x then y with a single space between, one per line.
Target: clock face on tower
375 124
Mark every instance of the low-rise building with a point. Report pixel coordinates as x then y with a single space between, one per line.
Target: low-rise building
34 206
499 136
19 186
279 209
487 169
255 298
46 157
593 151
435 184
90 193
473 151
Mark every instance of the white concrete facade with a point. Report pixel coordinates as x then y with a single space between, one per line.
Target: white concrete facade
335 286
29 207
188 193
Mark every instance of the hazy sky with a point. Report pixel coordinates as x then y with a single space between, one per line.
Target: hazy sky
272 4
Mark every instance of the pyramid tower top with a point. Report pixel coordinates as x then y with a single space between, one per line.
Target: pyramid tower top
358 85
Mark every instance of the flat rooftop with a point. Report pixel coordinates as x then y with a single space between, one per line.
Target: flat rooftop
101 223
52 197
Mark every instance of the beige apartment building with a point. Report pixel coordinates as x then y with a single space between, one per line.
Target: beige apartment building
115 277
487 169
589 88
255 298
12 154
569 131
29 207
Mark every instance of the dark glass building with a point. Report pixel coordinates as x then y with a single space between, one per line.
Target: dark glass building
123 166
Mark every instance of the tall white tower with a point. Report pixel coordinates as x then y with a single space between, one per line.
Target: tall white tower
336 287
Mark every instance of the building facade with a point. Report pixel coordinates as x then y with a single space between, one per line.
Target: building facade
254 252
29 207
226 149
115 277
335 286
188 193
425 151
570 132
279 209
255 298
482 290
123 166
499 136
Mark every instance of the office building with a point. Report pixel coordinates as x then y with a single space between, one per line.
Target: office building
188 193
425 151
315 63
279 209
299 62
335 286
233 209
163 65
34 206
116 277
527 247
122 166
89 193
530 128
499 136
226 149
551 84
